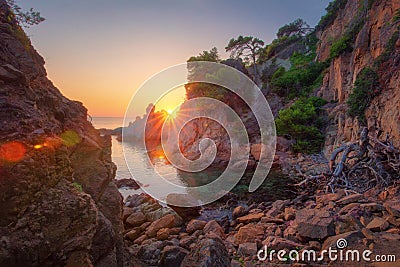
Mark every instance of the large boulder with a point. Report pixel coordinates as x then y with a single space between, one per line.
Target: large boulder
314 223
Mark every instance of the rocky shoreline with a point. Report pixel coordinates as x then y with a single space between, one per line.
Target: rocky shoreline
160 237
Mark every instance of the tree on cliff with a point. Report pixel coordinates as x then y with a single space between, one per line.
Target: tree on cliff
27 18
247 47
296 28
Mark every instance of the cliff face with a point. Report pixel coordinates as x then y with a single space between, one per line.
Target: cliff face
370 44
58 202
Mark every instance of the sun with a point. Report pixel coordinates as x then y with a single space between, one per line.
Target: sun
170 111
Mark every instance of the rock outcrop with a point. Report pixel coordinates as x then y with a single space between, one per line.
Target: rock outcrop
59 205
371 42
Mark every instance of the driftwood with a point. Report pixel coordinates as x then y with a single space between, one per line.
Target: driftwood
360 166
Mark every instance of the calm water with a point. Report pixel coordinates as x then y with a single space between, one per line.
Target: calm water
273 188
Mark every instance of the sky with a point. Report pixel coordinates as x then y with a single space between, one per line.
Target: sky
99 52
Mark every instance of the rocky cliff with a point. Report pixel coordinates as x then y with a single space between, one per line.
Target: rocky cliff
59 204
375 45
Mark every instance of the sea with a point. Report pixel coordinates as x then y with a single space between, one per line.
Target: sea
274 187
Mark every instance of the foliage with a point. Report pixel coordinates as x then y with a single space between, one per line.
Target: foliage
332 11
339 46
302 122
303 76
198 89
246 47
77 186
276 45
366 87
296 28
211 55
27 18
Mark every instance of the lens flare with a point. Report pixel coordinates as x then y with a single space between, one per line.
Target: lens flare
70 138
12 151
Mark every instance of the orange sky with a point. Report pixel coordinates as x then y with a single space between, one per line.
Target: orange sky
99 51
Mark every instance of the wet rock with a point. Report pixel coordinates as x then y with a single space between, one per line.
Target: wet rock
128 183
172 256
314 224
239 211
215 228
208 252
378 224
195 225
136 219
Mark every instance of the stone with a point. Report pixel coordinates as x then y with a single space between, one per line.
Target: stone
150 253
136 219
163 234
273 212
372 207
314 224
126 212
215 228
168 221
133 234
247 249
289 214
279 243
353 198
253 217
249 233
208 252
280 204
351 238
347 223
326 198
378 224
187 241
271 220
172 256
393 207
140 239
239 211
195 225
349 208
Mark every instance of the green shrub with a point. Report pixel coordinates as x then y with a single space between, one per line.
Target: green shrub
303 77
365 88
303 122
339 46
331 13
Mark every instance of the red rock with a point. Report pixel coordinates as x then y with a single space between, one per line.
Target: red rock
254 217
239 211
354 198
393 207
247 249
168 221
278 243
249 233
314 224
136 219
195 225
215 228
378 224
140 239
133 234
163 234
